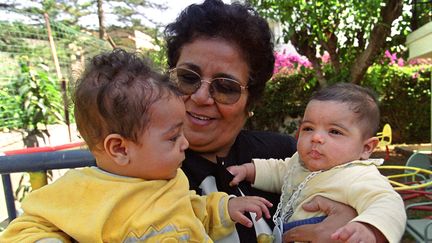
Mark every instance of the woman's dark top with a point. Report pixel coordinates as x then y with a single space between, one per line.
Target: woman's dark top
248 145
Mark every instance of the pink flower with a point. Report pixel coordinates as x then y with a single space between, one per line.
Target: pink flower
391 56
325 58
289 62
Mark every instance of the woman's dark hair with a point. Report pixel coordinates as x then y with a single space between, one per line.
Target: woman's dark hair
236 23
362 101
114 95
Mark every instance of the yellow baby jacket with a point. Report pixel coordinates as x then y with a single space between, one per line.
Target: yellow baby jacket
90 205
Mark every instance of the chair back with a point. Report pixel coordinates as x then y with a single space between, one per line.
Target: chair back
419 228
419 160
385 136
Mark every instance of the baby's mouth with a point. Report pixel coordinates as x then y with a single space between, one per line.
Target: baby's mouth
314 154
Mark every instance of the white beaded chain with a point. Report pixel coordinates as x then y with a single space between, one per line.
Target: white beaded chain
286 212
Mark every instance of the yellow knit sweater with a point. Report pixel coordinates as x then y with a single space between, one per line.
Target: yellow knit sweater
90 205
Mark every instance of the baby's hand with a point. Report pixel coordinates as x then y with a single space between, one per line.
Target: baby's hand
241 173
237 206
354 232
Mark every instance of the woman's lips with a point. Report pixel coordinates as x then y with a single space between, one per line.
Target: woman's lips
199 119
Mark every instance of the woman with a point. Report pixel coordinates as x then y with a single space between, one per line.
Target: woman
221 56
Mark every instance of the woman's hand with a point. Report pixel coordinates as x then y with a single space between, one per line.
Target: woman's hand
338 214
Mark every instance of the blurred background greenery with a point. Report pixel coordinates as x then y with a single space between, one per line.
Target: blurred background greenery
317 44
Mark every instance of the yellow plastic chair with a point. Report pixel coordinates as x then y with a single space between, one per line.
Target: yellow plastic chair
385 139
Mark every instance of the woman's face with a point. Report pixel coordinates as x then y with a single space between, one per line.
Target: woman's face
210 127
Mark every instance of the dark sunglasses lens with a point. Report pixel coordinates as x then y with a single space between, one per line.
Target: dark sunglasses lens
187 81
225 91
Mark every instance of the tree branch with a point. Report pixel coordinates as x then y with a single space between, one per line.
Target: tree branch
391 11
303 48
331 47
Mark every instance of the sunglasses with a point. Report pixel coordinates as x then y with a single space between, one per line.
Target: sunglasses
222 90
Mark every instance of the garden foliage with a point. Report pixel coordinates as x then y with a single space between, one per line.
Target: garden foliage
30 89
353 32
403 89
32 100
405 99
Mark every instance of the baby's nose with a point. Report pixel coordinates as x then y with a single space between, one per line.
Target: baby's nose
317 137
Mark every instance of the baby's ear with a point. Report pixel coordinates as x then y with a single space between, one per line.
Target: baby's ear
116 147
369 146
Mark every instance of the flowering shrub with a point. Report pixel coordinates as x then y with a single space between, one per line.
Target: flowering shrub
402 86
414 66
284 101
289 62
393 59
405 99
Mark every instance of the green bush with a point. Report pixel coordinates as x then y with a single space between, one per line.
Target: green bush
404 93
285 98
405 100
33 100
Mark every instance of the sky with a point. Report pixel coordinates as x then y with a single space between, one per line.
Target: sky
163 17
174 8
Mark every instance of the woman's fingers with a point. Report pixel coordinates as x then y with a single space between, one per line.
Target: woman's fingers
338 214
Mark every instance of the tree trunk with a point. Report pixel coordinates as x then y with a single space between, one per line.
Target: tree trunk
414 19
30 140
303 48
331 47
101 20
391 11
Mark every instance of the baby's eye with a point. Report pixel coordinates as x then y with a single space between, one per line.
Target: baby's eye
174 138
336 132
307 129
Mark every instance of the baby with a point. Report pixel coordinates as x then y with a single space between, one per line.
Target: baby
336 138
132 121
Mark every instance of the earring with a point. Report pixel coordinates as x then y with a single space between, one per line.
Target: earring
250 114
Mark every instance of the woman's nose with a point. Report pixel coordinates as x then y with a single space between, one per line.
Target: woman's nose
202 95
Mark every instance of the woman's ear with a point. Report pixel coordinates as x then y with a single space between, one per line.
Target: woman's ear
368 147
116 148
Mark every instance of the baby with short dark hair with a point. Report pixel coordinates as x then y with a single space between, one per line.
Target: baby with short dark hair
131 118
336 138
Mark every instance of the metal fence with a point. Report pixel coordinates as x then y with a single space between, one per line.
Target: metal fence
30 38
